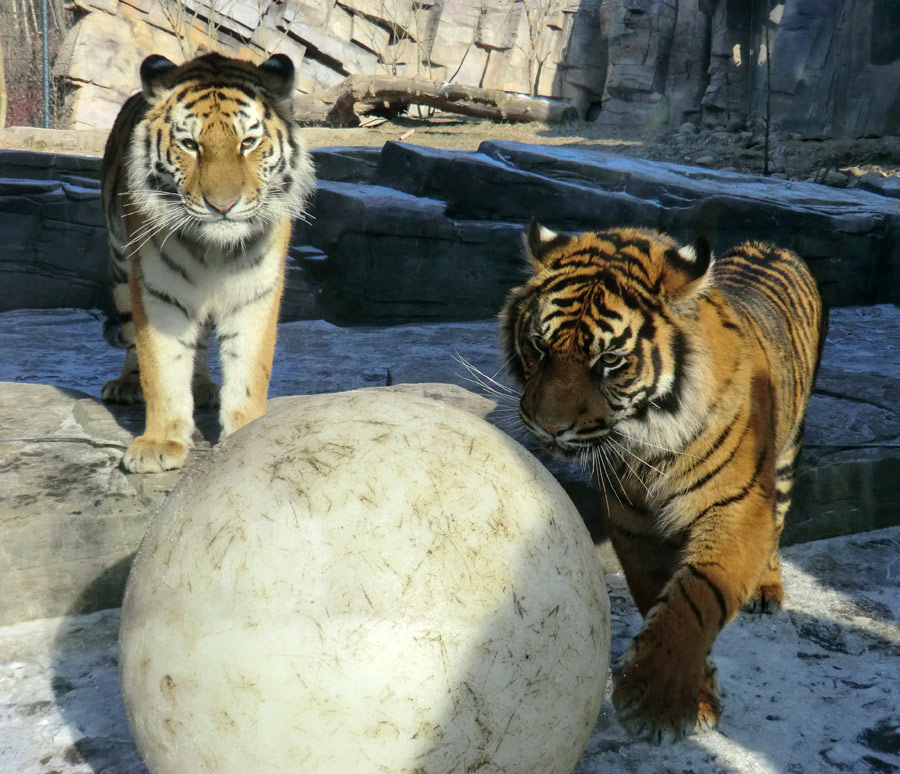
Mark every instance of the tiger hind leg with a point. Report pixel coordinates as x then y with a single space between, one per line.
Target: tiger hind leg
769 594
125 390
768 597
206 391
119 332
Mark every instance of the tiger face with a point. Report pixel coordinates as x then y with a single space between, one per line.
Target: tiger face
593 341
220 153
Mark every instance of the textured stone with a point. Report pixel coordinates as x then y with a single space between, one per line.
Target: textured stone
393 257
481 186
57 244
830 67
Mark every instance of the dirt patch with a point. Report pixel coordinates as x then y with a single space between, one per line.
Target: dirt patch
739 148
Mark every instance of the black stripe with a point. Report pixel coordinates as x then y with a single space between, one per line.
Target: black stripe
715 589
656 540
258 297
671 401
177 268
694 609
740 495
118 275
166 299
716 470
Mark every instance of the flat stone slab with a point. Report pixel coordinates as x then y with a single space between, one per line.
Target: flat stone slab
814 688
406 233
70 518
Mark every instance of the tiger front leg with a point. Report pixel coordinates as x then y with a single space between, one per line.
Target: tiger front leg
667 687
246 350
166 360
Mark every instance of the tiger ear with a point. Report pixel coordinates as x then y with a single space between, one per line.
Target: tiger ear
540 241
687 270
278 76
154 70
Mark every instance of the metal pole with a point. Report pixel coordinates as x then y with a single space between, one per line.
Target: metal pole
45 51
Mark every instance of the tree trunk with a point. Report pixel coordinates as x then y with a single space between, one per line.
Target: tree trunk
337 107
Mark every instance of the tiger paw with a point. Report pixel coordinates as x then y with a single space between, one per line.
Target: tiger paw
123 391
766 599
709 708
206 394
663 701
149 455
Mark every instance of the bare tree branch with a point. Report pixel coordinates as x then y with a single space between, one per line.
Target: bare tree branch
338 107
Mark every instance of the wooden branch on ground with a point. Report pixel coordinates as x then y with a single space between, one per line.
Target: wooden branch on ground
338 107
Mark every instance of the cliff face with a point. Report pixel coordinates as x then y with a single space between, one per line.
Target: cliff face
817 67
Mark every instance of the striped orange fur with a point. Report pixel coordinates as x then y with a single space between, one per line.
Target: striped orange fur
203 171
684 382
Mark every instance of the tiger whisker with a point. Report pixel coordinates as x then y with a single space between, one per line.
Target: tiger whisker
639 459
489 385
597 471
479 374
634 439
148 231
630 468
611 471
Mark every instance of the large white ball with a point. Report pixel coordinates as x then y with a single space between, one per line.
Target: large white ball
365 582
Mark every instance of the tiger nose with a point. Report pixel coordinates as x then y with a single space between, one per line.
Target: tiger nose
552 430
222 206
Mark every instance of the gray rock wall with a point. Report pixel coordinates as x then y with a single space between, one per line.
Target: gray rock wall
824 67
435 235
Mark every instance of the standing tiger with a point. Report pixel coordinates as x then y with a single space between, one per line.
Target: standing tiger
202 173
685 382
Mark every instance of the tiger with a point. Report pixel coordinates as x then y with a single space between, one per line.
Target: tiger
202 173
683 382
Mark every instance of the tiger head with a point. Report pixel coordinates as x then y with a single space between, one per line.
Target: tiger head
599 337
216 154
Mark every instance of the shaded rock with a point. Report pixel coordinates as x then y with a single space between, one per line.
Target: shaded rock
885 185
69 513
393 257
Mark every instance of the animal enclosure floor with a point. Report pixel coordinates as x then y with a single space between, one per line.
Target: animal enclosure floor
814 688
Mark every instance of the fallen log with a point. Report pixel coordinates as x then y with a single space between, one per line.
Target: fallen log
338 107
